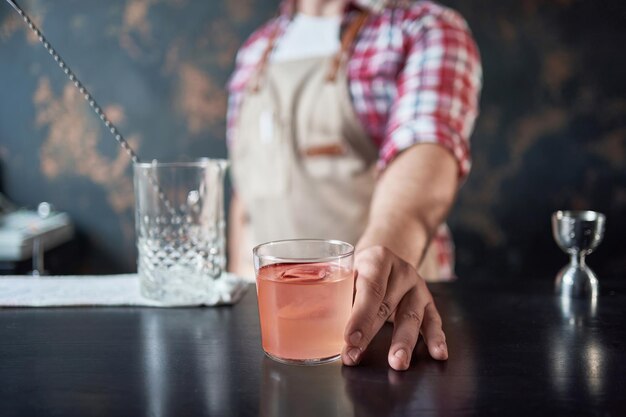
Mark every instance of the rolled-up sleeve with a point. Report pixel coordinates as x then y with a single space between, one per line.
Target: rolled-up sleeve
438 90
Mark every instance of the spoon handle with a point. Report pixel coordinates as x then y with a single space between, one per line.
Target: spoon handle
72 77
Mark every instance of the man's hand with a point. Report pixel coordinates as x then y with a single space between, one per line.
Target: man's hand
388 288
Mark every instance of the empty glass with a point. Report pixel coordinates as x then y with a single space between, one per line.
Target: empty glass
179 220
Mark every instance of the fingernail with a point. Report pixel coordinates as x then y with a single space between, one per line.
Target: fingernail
401 354
355 338
443 349
354 354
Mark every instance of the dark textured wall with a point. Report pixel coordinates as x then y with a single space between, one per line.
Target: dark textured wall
552 133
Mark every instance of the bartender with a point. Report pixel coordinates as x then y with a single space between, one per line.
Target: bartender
350 120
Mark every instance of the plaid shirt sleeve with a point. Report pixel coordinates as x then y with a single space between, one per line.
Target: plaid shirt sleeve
437 88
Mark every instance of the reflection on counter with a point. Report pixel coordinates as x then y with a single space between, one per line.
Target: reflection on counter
576 311
411 392
576 351
285 388
427 387
165 337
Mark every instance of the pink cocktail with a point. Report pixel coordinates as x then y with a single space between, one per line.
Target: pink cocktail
304 292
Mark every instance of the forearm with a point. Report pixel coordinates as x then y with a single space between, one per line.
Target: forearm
411 199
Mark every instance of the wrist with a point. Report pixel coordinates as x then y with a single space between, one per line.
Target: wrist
407 239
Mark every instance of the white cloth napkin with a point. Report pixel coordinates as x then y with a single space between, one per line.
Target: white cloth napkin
100 290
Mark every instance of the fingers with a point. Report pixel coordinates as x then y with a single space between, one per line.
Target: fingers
432 331
385 287
383 280
408 320
416 312
373 271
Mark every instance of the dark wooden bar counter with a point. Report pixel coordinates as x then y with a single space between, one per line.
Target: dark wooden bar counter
514 350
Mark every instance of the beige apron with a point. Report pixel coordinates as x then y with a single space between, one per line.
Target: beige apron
302 164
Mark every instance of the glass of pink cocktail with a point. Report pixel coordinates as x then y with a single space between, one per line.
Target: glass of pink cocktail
304 290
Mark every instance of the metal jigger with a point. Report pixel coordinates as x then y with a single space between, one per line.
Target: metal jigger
577 233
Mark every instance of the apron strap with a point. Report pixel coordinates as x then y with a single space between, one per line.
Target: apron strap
347 39
262 64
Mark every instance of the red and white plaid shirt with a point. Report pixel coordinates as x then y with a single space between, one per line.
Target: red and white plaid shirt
414 76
